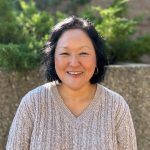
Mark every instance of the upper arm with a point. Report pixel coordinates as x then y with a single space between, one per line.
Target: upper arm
21 128
125 131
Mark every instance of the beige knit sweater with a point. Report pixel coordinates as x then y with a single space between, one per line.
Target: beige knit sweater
43 122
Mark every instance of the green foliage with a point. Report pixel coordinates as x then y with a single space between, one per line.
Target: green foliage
79 2
137 48
22 49
23 33
121 6
34 23
117 30
69 7
44 4
18 57
73 6
8 22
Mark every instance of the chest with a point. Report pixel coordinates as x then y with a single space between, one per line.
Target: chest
58 132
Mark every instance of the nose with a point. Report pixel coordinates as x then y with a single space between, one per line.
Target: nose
74 61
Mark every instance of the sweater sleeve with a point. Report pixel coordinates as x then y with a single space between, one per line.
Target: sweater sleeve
125 131
21 128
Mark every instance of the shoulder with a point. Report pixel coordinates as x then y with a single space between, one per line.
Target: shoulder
114 100
38 96
40 91
108 92
118 104
113 97
36 100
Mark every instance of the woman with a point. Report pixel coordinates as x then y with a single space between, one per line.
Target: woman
72 111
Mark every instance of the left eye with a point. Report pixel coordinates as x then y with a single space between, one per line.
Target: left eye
84 53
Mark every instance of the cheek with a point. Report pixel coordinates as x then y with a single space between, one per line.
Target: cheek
60 64
91 63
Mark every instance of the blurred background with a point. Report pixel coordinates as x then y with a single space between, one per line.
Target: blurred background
25 26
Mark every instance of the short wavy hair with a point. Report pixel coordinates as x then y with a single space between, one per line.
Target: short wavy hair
97 41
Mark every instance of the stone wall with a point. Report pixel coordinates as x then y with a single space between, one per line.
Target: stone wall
12 87
131 81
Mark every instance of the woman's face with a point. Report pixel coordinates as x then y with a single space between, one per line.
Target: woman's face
75 59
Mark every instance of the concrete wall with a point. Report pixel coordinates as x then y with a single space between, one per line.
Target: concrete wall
131 81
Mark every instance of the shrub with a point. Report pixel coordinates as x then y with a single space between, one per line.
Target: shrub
136 48
23 33
116 29
17 57
22 49
8 23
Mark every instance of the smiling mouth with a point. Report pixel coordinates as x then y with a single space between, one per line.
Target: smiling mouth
74 73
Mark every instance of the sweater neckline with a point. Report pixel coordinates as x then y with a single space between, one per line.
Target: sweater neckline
86 112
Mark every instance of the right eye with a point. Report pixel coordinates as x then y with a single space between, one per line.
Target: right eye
64 53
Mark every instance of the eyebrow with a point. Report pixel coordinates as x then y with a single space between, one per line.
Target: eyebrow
65 47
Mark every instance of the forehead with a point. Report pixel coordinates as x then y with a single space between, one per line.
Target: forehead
73 32
73 36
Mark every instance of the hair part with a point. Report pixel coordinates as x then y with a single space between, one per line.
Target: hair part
97 41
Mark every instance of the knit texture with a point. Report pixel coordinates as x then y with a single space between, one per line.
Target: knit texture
43 122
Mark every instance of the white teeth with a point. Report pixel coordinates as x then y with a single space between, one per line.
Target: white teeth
71 72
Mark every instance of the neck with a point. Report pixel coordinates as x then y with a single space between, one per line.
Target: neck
82 94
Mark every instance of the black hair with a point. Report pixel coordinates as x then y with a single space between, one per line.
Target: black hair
97 41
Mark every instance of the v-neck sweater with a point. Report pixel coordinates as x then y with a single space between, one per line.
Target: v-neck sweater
43 122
